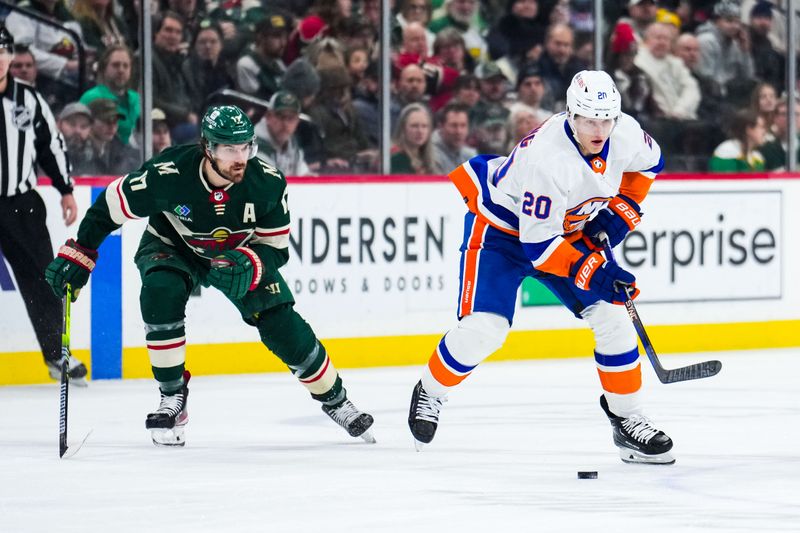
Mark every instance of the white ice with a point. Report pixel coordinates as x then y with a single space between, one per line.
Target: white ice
262 457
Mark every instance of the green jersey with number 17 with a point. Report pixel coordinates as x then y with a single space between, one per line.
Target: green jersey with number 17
185 211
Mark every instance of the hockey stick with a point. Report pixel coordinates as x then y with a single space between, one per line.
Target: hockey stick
65 328
705 369
65 355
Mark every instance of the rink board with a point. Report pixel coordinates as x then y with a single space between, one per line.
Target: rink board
374 269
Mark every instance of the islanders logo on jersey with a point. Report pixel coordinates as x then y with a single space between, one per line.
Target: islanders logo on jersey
577 216
218 240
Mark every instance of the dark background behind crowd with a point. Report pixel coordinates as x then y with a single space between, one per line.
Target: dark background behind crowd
705 78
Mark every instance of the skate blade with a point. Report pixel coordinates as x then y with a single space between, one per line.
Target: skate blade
419 445
79 382
368 437
168 437
633 457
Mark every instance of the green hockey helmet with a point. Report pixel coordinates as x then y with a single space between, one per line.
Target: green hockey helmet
226 127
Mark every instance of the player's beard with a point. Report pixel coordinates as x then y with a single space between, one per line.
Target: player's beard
235 172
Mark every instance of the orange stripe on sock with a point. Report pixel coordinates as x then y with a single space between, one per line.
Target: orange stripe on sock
443 374
626 382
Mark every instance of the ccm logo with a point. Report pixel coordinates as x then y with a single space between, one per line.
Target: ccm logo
586 271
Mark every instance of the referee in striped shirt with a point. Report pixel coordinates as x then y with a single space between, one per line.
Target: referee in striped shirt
29 137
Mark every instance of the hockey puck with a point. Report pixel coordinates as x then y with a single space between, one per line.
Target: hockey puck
587 475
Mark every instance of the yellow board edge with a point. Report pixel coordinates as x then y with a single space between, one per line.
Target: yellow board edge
243 358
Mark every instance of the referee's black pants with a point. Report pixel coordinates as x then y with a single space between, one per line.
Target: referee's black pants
25 243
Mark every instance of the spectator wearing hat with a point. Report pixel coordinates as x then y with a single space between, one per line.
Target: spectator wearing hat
450 147
161 136
275 135
75 124
260 70
520 29
114 80
676 93
532 91
491 134
109 156
205 70
345 144
632 83
326 18
558 63
494 87
412 149
768 62
170 89
725 48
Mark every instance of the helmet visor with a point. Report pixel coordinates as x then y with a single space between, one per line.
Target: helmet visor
233 152
594 127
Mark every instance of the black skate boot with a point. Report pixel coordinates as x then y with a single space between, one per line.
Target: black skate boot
638 441
167 423
355 422
423 416
77 370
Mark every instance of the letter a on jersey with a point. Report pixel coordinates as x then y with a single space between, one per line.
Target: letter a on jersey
249 212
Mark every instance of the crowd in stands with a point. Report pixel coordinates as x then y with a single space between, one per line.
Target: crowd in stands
705 78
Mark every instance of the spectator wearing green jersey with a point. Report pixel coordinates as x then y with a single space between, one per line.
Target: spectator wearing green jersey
114 68
740 152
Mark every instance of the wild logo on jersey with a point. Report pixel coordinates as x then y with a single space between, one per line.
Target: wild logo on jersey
220 239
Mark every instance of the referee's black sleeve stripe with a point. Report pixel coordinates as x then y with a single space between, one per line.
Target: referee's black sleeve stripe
44 131
5 155
21 177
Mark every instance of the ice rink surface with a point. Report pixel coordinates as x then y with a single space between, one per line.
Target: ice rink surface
262 457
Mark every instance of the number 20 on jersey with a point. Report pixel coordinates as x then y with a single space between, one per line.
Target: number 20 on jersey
538 206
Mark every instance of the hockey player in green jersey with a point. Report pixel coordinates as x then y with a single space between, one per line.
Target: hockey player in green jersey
218 216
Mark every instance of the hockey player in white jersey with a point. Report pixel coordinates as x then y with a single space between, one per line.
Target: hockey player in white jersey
540 212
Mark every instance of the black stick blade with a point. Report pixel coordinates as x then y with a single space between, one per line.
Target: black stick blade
702 370
62 419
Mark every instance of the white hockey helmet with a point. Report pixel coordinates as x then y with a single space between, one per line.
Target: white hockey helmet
593 94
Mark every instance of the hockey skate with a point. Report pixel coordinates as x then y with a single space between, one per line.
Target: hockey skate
167 423
638 441
423 416
77 370
355 422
